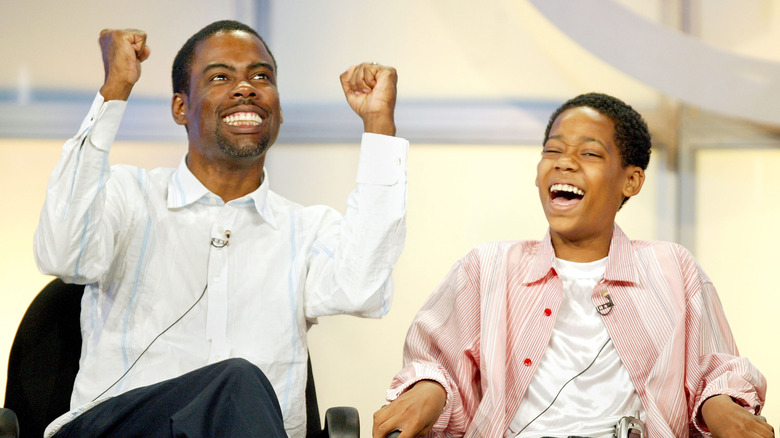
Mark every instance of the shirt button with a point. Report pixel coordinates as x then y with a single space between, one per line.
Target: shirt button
547 312
527 362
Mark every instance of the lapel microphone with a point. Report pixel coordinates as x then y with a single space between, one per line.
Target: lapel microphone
605 308
221 243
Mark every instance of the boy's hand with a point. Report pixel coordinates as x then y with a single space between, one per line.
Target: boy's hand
413 413
726 419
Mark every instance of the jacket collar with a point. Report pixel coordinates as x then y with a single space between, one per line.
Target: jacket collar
620 263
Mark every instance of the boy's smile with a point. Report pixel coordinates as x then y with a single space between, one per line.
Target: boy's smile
582 182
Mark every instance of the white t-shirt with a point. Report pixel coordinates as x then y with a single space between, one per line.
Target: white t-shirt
592 403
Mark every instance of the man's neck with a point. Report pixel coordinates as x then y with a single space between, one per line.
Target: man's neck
229 181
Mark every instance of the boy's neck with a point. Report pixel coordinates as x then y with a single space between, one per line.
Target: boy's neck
581 250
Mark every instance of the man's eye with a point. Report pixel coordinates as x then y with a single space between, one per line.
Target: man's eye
219 77
591 154
550 151
260 76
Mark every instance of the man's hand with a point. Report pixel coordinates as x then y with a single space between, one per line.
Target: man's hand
371 91
123 52
726 419
413 413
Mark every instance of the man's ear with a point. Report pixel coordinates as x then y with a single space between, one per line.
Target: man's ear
179 108
635 178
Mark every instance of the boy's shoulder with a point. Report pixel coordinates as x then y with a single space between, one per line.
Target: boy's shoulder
499 251
669 254
661 246
503 246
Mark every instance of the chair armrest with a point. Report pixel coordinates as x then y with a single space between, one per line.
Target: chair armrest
342 422
9 424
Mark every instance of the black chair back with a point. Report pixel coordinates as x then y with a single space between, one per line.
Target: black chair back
44 358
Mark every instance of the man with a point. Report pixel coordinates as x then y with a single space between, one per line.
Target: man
567 336
188 267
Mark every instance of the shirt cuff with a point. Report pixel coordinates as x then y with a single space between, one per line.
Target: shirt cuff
382 160
103 121
421 371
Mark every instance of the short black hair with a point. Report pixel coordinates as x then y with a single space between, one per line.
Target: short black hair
182 64
632 137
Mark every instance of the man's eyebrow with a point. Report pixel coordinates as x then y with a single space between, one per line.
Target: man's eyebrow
261 64
218 65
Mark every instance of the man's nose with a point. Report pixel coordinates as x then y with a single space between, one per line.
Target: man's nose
244 89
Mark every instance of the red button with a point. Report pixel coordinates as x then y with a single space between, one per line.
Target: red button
527 362
547 312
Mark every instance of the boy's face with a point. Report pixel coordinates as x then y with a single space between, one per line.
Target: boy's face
581 178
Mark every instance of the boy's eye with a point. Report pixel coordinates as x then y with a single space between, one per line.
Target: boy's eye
219 77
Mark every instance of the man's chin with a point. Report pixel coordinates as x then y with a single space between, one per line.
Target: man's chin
245 151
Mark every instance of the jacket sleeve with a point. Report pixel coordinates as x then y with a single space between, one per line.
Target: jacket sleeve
74 237
713 364
443 345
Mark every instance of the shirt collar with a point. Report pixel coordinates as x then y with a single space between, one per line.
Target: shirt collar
185 189
620 263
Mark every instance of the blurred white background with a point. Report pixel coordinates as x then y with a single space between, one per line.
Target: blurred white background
477 81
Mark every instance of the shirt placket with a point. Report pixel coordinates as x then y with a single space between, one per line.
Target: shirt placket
217 295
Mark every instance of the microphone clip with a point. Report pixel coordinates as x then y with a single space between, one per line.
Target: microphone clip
221 243
605 308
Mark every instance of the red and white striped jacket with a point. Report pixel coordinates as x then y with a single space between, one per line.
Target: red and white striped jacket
484 330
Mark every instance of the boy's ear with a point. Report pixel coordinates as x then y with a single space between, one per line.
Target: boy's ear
635 177
179 108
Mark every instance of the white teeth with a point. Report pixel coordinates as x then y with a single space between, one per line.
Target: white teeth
243 118
566 188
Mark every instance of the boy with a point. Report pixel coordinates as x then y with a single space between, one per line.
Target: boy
565 336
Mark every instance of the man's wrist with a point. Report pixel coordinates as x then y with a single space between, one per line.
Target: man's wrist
379 125
111 91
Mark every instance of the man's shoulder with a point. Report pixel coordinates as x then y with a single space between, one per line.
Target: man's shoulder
309 219
142 178
280 203
134 171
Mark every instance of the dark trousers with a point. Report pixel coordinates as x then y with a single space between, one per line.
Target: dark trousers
232 398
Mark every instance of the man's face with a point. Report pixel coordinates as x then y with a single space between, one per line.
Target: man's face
581 178
232 110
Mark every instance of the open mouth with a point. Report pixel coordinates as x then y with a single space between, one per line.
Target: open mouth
565 194
243 119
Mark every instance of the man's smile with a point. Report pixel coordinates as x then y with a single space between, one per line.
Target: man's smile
243 119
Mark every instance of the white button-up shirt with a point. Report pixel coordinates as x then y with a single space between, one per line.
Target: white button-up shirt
149 243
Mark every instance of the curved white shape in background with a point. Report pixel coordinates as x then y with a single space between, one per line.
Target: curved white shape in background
675 64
